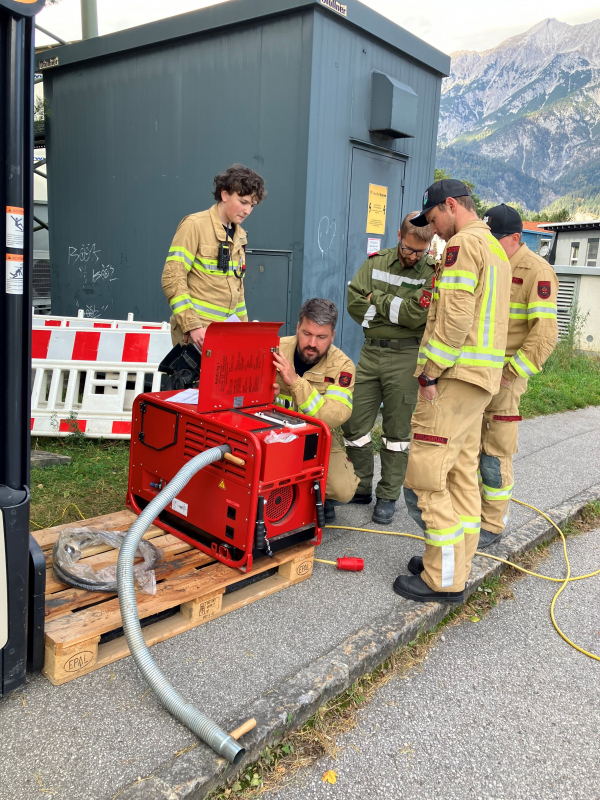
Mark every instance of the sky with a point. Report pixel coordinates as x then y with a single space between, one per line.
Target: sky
449 26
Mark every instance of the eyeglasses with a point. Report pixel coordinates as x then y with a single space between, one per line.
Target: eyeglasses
410 252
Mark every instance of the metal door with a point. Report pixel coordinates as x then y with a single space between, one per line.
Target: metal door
267 286
374 168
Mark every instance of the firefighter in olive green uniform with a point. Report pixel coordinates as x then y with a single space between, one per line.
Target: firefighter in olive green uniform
532 335
459 369
397 282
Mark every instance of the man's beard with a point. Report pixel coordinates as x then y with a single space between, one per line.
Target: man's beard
309 358
408 264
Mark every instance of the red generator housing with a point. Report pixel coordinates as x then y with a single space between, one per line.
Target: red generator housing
280 481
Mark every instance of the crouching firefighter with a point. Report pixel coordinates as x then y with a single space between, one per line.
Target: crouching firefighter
532 335
315 378
459 367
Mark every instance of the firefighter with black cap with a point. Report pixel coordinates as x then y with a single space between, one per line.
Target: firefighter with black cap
532 335
389 297
459 368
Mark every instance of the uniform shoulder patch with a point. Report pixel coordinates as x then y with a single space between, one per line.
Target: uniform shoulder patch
327 379
544 289
425 300
451 255
518 281
345 378
376 253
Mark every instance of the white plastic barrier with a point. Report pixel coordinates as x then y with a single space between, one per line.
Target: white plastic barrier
88 379
89 323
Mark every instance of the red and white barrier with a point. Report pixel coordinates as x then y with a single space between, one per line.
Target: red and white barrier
93 375
88 323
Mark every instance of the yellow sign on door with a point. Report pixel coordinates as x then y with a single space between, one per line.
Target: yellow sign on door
377 209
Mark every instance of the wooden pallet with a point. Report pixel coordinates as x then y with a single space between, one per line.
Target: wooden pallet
187 580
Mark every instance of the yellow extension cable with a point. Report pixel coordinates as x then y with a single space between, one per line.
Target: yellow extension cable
563 581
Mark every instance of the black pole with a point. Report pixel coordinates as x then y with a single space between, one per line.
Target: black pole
16 190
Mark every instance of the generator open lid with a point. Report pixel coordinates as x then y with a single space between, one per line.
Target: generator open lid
237 368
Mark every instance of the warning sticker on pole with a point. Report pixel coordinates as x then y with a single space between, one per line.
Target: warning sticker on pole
15 227
377 209
14 274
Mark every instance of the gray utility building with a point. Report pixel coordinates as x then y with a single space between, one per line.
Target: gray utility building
334 105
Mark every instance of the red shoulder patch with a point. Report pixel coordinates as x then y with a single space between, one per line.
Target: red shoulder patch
424 437
376 253
519 281
451 255
345 378
425 300
544 289
327 379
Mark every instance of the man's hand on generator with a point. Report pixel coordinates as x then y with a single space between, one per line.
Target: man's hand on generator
197 336
286 370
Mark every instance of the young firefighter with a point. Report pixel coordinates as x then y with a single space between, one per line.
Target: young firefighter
532 335
389 297
203 275
460 364
317 379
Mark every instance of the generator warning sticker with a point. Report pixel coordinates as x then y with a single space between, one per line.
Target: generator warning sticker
222 485
377 209
239 373
181 508
15 227
14 274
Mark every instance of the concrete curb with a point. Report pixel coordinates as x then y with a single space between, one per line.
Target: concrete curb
290 704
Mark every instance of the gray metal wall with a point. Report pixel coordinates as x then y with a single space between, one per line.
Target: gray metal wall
343 59
134 141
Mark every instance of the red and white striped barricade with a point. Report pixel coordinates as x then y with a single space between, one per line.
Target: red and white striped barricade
89 323
88 379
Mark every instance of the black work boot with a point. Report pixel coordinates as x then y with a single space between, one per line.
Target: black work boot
384 511
329 511
487 538
413 587
362 499
415 565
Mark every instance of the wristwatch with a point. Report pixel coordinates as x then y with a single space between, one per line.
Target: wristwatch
425 381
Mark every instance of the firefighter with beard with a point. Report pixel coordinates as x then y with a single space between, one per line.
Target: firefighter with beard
389 297
315 378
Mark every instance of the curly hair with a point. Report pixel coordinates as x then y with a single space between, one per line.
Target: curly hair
242 180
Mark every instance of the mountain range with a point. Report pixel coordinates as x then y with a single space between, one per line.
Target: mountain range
522 120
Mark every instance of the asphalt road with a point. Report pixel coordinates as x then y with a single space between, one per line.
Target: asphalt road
503 709
89 738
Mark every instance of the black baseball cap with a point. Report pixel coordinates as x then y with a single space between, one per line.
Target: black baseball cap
439 192
503 220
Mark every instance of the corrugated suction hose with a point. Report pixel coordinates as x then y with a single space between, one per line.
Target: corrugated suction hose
221 742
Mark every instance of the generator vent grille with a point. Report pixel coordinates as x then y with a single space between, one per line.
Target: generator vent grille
279 502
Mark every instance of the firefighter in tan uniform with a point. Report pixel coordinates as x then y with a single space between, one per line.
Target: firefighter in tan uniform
532 335
459 369
317 379
203 275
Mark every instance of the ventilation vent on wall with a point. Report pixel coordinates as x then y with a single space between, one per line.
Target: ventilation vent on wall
564 303
394 107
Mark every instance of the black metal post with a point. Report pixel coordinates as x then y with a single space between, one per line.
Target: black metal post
16 191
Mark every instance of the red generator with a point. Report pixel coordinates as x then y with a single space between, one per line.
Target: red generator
266 495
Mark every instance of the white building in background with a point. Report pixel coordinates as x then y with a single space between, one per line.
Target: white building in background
576 262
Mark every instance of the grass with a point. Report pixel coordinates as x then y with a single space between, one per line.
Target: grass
95 481
569 380
288 754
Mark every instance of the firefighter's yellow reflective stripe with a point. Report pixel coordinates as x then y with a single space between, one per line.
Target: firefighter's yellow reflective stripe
523 365
210 266
481 357
487 315
180 303
181 254
471 524
312 405
340 394
495 247
490 493
458 279
240 309
209 310
445 536
284 400
541 310
518 311
441 353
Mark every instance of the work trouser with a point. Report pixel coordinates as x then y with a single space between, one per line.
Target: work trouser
499 442
383 374
442 474
341 480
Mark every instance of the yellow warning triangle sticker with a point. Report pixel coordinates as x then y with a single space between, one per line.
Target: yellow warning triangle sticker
222 485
